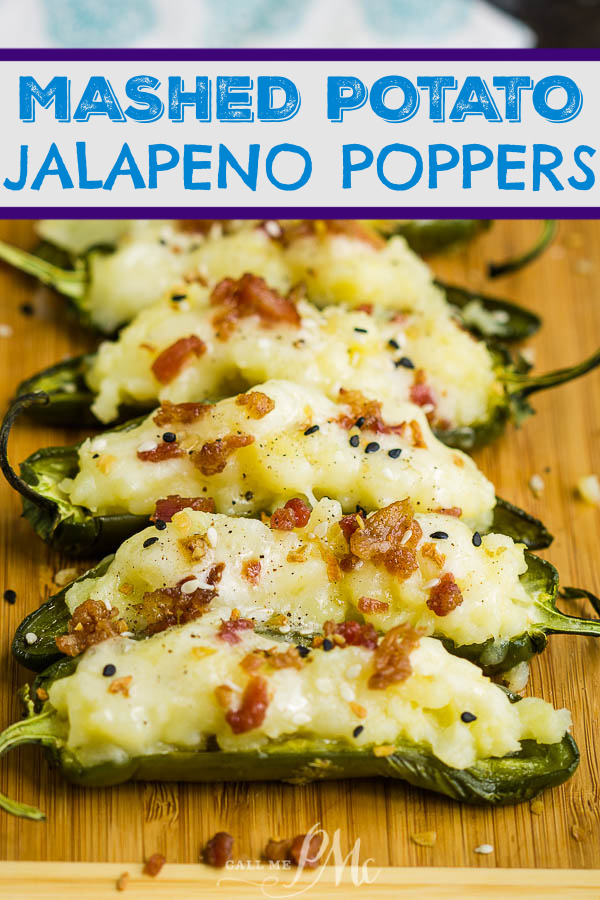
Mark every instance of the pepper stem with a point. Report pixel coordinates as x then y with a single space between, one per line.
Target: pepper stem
556 622
524 385
71 283
495 270
40 729
16 408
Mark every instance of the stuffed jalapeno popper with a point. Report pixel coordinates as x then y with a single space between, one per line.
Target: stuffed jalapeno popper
205 344
482 595
248 454
215 701
113 270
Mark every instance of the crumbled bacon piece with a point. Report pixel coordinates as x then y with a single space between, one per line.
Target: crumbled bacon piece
215 574
252 710
371 605
251 571
385 539
295 514
334 572
421 393
229 628
91 623
249 296
417 434
391 659
277 851
171 361
161 452
154 864
366 308
214 455
349 524
195 545
171 606
257 404
288 659
349 562
251 663
121 685
445 596
219 850
431 551
166 508
291 851
180 413
354 633
369 411
455 511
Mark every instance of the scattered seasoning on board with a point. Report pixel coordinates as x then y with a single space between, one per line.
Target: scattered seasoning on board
26 309
10 596
218 850
154 864
123 881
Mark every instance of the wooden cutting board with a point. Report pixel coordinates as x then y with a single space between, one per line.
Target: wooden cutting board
561 443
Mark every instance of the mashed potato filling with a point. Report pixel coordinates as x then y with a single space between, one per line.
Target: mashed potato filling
175 690
303 444
425 356
297 579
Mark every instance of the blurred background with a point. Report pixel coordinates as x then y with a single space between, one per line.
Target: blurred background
287 23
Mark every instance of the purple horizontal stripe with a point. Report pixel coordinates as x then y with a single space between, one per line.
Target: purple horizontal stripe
309 55
302 212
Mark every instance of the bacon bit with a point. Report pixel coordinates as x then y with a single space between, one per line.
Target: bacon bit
384 750
252 662
106 462
354 634
216 573
122 881
214 455
349 524
257 404
368 410
334 572
218 851
289 659
166 508
249 296
371 605
309 853
359 711
161 452
295 514
251 571
121 685
253 708
154 864
277 851
42 694
195 546
445 596
366 308
417 434
348 562
381 539
180 413
170 606
228 629
455 511
431 551
299 555
91 623
171 361
391 660
421 393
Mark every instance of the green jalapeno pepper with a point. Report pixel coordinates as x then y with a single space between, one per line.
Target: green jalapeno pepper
76 531
429 236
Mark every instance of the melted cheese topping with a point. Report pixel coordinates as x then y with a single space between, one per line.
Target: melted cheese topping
329 349
282 462
495 603
171 702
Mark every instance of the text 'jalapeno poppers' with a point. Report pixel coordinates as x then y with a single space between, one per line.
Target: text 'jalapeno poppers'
215 701
205 344
249 453
112 270
483 596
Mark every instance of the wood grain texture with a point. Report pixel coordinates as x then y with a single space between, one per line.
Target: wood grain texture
561 443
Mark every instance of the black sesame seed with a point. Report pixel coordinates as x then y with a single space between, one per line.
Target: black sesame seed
362 330
10 596
327 644
169 437
303 651
477 539
27 309
149 541
96 456
372 447
468 717
109 670
359 422
160 524
393 344
177 297
394 452
439 535
312 429
405 362
248 495
354 440
358 730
